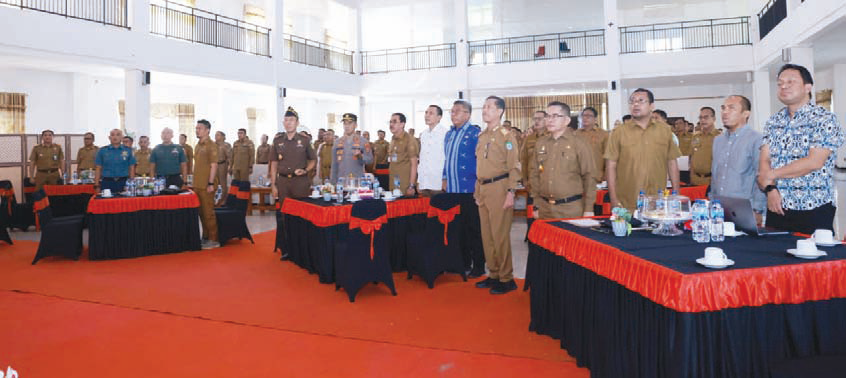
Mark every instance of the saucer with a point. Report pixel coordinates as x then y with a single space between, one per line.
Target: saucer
102 196
819 253
315 197
736 234
829 244
726 262
388 199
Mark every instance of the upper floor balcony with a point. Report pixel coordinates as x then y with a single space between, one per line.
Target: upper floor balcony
106 12
537 47
676 36
408 59
770 16
318 54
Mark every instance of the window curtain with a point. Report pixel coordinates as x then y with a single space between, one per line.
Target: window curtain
12 113
122 111
185 116
251 124
519 110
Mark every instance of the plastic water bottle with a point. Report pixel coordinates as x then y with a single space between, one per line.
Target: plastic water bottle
218 194
717 217
75 178
396 182
660 201
674 205
700 222
640 202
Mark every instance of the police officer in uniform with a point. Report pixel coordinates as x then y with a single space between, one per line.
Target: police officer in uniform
224 156
142 157
205 182
46 161
291 158
243 155
350 152
86 154
189 152
324 155
497 172
403 156
564 169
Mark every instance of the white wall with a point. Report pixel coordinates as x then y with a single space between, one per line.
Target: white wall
514 18
685 101
643 12
406 24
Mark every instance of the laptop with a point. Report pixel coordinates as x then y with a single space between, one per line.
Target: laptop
739 211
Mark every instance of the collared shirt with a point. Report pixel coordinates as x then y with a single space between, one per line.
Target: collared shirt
168 159
115 161
497 154
791 139
430 171
85 157
47 157
403 148
380 151
205 153
243 154
734 167
142 162
324 159
224 153
189 156
291 154
460 158
641 156
563 167
263 154
526 152
702 144
345 162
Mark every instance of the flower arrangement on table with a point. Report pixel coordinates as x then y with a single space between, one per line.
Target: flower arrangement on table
621 220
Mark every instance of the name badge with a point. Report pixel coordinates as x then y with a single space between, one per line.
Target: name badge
393 158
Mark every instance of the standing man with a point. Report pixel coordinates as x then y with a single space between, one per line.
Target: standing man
403 157
86 155
224 157
641 154
115 164
350 152
537 131
46 161
128 141
431 168
564 169
243 157
380 149
168 160
498 171
797 157
703 144
142 157
189 152
459 177
324 155
263 153
205 166
291 159
684 137
596 138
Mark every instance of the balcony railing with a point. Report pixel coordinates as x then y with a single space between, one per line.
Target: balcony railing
408 59
196 25
313 53
538 47
106 12
771 15
685 35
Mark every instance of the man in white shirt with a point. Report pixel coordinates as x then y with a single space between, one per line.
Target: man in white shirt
431 168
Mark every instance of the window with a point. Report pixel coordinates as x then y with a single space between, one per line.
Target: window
480 15
12 113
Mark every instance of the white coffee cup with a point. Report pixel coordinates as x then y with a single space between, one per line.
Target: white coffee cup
806 247
714 255
388 195
315 193
107 192
824 236
728 229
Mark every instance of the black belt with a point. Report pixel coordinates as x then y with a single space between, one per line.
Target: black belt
114 179
50 170
553 201
289 175
705 175
495 179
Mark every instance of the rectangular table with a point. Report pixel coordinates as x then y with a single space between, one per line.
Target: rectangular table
313 227
641 305
125 227
262 205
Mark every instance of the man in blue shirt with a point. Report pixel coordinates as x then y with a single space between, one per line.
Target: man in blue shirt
115 163
168 160
460 177
797 157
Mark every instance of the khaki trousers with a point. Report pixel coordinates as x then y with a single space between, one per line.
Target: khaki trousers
496 230
240 174
46 178
207 217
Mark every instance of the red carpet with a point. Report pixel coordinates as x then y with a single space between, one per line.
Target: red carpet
239 311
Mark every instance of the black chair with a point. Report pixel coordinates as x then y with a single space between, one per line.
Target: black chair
363 257
23 215
7 199
437 248
232 218
60 236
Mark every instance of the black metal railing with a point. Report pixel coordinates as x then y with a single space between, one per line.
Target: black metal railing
537 47
106 12
771 15
685 35
408 59
178 21
313 53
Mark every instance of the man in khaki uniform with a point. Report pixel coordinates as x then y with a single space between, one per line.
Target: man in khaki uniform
380 149
538 130
641 154
597 140
86 155
46 161
205 164
703 143
263 151
403 156
324 155
243 157
563 169
497 172
685 137
142 157
291 159
189 152
224 157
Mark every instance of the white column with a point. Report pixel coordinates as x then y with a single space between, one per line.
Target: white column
137 103
81 106
616 99
362 106
357 66
139 16
277 29
462 57
280 106
762 94
839 92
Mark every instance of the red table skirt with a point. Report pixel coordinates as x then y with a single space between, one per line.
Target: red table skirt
67 190
131 204
326 216
692 192
699 292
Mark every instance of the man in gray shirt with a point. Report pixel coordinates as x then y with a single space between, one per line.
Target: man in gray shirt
351 152
736 153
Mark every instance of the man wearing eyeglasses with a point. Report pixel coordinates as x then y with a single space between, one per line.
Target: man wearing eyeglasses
641 154
86 154
596 138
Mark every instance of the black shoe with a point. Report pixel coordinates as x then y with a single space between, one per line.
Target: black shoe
285 257
503 287
473 274
486 283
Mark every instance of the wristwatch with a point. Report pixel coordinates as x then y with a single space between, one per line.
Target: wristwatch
769 188
211 184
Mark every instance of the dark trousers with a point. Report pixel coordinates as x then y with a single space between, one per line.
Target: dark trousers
114 184
471 238
804 221
175 180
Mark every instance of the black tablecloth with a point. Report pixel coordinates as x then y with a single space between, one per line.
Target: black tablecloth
142 233
71 204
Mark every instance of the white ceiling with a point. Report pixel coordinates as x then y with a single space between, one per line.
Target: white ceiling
686 80
830 45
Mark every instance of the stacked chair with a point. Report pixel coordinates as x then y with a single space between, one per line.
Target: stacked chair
363 256
22 213
232 218
60 236
7 200
437 248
